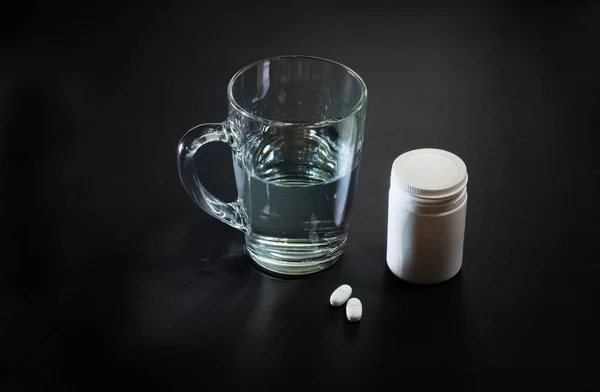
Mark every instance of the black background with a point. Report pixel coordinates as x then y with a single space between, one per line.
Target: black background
111 275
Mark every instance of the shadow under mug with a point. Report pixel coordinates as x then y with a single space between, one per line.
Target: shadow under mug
295 127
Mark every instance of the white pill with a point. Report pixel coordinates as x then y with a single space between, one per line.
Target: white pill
340 295
354 309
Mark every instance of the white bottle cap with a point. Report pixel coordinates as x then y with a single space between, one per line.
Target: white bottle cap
426 215
429 173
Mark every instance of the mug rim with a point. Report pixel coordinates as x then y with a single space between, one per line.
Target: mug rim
333 120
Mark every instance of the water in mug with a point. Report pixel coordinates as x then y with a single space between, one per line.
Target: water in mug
297 187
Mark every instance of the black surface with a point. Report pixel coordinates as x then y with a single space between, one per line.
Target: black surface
110 274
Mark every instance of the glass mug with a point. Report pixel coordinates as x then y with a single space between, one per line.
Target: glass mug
295 126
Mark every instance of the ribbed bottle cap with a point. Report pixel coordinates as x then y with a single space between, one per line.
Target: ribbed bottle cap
429 173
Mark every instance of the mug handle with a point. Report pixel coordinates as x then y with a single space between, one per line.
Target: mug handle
232 213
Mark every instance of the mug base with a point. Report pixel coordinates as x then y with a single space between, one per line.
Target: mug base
287 257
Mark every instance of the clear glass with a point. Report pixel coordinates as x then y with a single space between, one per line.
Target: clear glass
296 127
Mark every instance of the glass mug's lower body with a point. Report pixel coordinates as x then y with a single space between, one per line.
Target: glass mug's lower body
298 209
296 126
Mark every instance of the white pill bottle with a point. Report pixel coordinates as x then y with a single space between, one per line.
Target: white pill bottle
427 210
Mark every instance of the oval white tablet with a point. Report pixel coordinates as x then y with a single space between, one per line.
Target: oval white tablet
354 309
340 295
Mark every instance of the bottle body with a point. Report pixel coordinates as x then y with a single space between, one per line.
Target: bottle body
425 236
